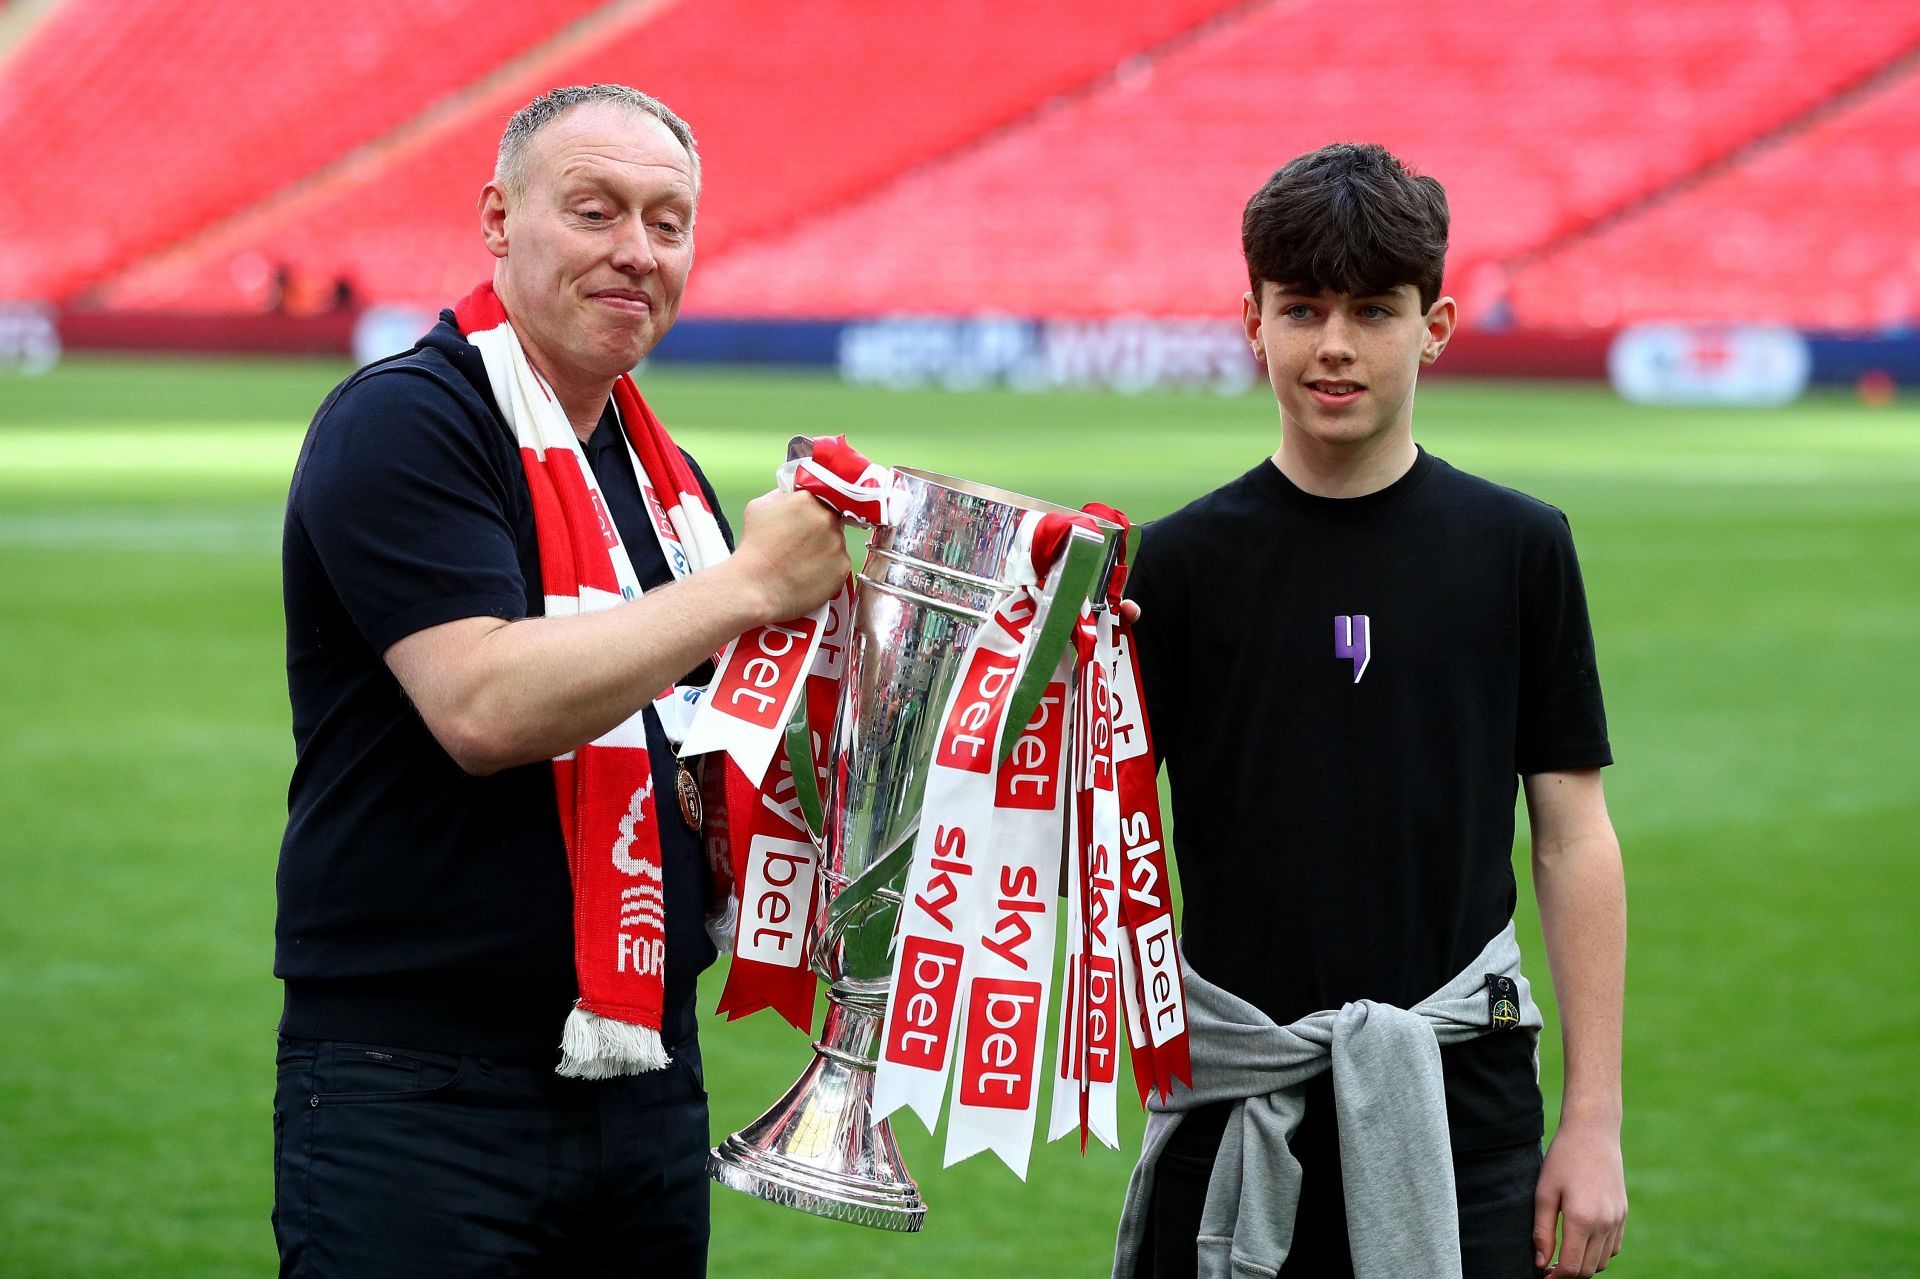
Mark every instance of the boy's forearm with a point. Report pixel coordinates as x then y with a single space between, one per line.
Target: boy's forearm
1581 889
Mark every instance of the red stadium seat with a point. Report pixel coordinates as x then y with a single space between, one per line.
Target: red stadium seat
1074 158
1539 120
798 108
132 123
1821 231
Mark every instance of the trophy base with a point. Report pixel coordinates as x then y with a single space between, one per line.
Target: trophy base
817 1149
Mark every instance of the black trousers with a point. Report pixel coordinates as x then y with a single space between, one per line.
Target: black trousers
395 1162
1494 1189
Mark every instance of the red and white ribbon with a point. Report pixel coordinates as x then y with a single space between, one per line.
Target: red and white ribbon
956 857
775 863
1009 969
758 678
842 477
1149 961
947 885
1157 1013
1090 1006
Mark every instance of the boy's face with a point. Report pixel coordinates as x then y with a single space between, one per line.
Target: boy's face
1343 366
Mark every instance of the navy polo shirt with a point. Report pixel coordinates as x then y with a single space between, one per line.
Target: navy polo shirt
420 906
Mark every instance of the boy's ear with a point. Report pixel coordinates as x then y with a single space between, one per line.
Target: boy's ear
1250 323
1441 317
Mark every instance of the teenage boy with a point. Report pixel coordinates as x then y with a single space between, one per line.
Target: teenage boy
1350 654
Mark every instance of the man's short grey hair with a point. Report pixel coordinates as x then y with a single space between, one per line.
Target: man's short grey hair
510 168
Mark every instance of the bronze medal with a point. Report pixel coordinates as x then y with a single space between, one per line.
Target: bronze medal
688 791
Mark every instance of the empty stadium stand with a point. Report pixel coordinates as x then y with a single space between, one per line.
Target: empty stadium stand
1066 159
797 108
1129 199
1821 231
129 123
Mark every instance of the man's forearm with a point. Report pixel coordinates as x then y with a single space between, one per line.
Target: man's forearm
497 694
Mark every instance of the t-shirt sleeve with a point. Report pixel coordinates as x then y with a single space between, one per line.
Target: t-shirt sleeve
1160 634
406 510
1562 721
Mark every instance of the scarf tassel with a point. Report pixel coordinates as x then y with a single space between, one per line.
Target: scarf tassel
596 1047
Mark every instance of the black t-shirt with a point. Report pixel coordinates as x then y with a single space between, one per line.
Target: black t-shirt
1345 692
421 906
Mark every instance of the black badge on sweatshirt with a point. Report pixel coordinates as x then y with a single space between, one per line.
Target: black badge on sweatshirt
1503 1006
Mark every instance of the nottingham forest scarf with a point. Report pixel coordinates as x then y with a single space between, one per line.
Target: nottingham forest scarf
608 809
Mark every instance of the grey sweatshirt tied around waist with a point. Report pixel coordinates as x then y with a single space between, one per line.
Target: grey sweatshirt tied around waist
1390 1105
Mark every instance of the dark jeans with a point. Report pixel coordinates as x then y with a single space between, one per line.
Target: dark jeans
1494 1189
391 1161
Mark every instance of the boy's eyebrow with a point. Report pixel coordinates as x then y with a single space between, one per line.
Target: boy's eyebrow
1390 294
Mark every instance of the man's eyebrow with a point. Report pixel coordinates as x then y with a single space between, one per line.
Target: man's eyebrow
575 178
578 177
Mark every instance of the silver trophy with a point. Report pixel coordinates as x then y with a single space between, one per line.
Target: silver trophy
929 581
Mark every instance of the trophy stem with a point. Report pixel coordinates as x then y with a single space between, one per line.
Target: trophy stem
817 1149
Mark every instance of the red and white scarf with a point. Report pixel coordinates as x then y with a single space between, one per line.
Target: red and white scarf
609 813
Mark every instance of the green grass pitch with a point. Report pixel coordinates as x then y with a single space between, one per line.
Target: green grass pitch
1755 579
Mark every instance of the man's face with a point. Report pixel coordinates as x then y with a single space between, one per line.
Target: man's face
1343 366
594 254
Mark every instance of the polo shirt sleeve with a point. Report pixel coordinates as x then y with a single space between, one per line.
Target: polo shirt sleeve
407 508
1157 586
1562 719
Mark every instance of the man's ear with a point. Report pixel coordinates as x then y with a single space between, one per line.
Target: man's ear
1250 323
1441 317
493 219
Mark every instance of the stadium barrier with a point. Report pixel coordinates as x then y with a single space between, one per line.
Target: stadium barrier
1123 353
29 338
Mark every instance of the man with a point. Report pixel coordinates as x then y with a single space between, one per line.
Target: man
1350 653
462 691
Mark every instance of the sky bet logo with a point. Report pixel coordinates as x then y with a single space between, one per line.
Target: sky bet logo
1353 640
